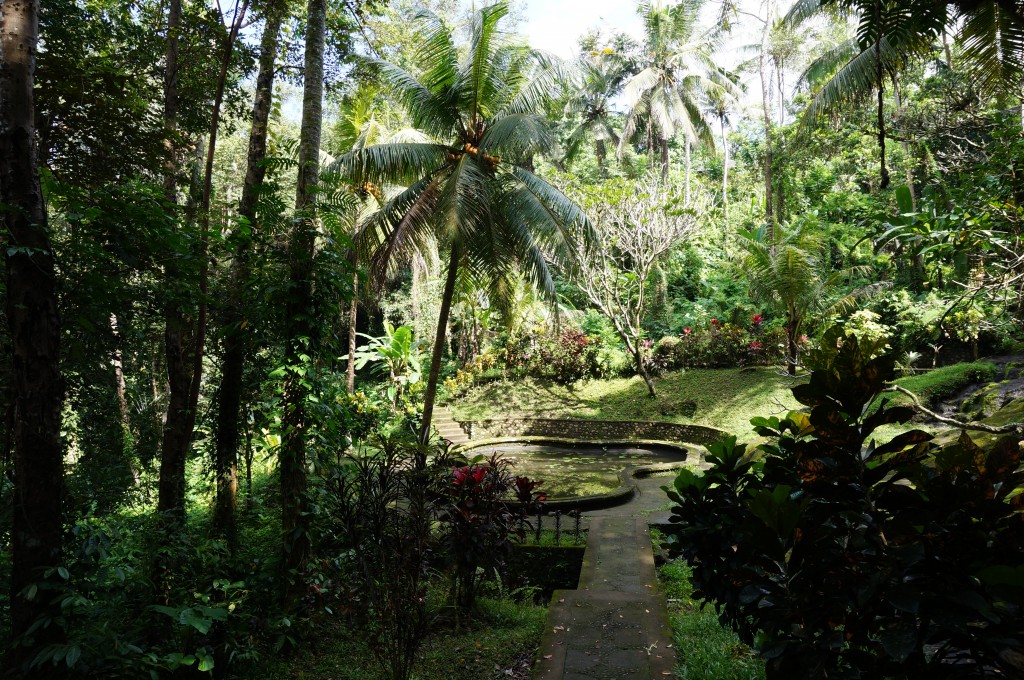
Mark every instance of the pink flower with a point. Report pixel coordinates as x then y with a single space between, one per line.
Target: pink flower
714 322
687 330
757 319
755 345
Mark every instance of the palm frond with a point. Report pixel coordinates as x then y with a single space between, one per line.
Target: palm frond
992 38
401 227
392 163
517 135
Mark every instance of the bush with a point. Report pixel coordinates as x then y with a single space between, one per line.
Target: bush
837 557
724 345
569 357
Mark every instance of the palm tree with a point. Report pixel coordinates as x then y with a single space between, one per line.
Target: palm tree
678 71
991 32
788 271
720 103
465 188
890 34
601 78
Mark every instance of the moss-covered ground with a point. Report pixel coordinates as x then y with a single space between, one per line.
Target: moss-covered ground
722 398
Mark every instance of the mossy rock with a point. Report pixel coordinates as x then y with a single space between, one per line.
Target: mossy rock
1010 413
983 403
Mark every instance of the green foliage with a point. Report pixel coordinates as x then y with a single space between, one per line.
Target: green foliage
397 354
945 382
706 650
835 555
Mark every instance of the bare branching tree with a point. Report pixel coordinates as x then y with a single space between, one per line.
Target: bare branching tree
637 225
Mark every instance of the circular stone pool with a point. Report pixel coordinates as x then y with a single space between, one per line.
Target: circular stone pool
583 471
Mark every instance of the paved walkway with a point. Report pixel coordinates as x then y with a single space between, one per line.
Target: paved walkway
615 625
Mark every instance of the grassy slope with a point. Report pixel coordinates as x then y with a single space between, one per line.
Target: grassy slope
724 398
942 383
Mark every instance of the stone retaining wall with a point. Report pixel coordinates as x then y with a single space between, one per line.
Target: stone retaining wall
592 430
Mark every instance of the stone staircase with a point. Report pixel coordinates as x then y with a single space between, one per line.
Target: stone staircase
447 427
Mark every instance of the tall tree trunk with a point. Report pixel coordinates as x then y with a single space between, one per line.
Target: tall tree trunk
117 361
689 168
725 171
171 494
663 144
439 339
236 341
353 319
199 340
766 104
601 153
300 327
880 78
34 325
792 349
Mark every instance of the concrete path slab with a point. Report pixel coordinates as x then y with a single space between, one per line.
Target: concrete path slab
615 626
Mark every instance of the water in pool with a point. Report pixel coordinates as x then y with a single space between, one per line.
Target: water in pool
578 471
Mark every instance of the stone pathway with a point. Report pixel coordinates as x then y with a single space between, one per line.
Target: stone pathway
615 625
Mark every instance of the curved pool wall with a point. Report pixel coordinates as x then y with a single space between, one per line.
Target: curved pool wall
592 430
627 476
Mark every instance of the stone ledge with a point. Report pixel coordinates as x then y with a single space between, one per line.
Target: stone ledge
594 430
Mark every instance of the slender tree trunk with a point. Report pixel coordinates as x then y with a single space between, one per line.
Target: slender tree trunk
601 153
792 348
199 340
725 172
171 498
117 361
689 168
236 340
664 159
300 328
353 318
34 325
880 78
780 80
439 338
766 104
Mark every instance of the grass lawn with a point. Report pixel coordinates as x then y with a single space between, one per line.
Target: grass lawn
705 650
724 398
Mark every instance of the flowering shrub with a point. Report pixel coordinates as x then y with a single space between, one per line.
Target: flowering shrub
466 376
722 344
569 357
486 505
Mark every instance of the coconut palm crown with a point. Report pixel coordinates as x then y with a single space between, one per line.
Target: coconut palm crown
679 69
465 184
